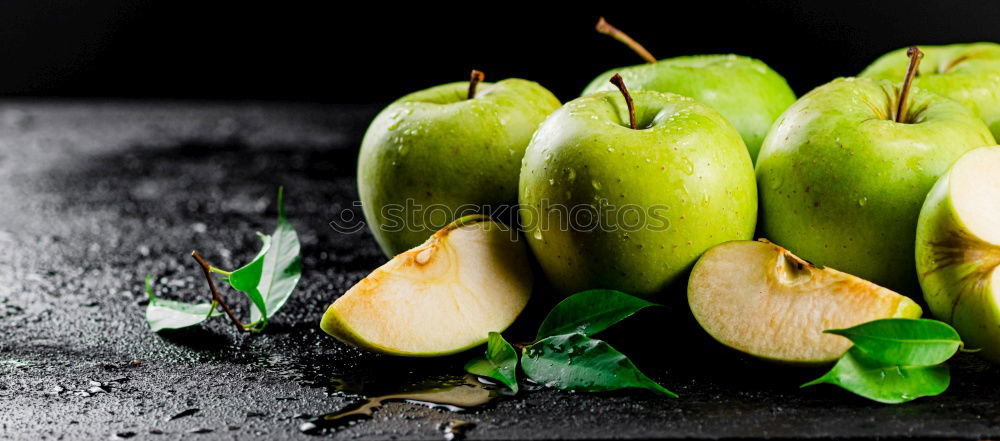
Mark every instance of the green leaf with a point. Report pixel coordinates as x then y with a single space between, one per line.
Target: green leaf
904 342
884 383
282 266
499 362
248 278
580 363
169 314
590 312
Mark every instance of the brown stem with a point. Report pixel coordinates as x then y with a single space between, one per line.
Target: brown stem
215 293
620 84
474 80
605 28
911 71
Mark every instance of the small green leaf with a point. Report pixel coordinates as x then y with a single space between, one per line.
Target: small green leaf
169 314
282 266
246 279
499 363
904 342
590 312
889 384
577 362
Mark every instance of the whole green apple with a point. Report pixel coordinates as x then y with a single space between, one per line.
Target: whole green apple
958 249
746 91
441 153
967 73
844 171
612 201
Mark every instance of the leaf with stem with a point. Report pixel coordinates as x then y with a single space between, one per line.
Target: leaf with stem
904 342
170 314
499 362
891 384
580 363
282 266
247 279
590 312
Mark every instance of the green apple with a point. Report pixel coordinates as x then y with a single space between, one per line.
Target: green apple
746 91
450 150
967 73
759 298
958 249
469 279
843 173
606 205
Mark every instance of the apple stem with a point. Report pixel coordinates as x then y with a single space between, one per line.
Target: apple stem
216 298
474 78
620 84
605 28
915 55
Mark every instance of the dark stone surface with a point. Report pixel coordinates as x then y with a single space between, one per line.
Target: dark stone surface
94 196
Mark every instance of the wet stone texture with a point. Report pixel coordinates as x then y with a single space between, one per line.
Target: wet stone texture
95 196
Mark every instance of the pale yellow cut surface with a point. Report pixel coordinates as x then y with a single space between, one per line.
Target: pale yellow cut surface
975 192
442 297
761 299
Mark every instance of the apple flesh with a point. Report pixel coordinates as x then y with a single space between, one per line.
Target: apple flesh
958 249
746 91
841 182
759 298
434 153
661 194
469 279
967 73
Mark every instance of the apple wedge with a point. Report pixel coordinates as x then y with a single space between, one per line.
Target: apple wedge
444 296
958 249
761 299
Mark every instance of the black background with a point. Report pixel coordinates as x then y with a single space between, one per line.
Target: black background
373 52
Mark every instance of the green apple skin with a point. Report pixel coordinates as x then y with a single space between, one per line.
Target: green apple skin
745 90
967 73
685 159
841 184
437 148
958 269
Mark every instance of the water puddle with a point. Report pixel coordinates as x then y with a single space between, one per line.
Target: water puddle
456 394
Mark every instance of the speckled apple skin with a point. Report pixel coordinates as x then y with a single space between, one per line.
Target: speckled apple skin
437 148
967 73
841 184
745 90
684 158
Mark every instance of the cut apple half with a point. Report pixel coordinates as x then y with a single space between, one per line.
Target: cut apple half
761 299
444 296
958 249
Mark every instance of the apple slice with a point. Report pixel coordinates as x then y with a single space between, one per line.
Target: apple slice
442 297
761 299
958 249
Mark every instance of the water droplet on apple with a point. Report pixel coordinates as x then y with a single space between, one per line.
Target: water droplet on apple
611 149
776 182
687 166
570 174
595 184
863 201
537 234
552 182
